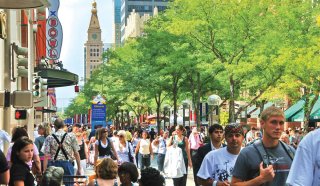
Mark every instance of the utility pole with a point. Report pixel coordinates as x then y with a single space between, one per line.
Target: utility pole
30 71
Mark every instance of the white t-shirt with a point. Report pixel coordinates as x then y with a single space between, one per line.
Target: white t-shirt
144 146
305 168
218 165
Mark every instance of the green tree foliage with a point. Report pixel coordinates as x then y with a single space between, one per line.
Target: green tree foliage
246 36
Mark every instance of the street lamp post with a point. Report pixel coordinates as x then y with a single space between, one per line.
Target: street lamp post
185 105
131 114
118 120
121 119
165 110
213 101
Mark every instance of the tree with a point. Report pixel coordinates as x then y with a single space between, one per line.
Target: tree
245 36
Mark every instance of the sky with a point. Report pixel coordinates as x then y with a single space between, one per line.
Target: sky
74 16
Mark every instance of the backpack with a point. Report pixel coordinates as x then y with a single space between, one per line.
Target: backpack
258 145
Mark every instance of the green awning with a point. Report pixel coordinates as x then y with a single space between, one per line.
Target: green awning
296 112
315 115
298 117
294 109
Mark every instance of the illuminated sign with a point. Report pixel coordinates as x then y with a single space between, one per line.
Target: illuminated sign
53 31
20 114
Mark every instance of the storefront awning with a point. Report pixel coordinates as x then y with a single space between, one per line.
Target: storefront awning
296 112
21 4
257 112
57 78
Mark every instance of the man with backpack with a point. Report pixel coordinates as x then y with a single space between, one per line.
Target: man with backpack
63 149
266 161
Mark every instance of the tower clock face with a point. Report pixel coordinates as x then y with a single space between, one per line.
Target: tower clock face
94 36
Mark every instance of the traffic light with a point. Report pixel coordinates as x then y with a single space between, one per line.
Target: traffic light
21 64
20 114
36 86
43 87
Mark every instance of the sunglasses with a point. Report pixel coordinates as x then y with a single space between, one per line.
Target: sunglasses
121 136
105 131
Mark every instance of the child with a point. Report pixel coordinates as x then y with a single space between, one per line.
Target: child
22 153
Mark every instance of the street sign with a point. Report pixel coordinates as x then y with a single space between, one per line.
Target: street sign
98 114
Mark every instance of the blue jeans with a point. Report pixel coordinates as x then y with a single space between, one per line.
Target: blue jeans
161 161
68 170
144 161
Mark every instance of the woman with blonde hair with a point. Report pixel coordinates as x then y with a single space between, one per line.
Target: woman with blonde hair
43 131
124 148
106 172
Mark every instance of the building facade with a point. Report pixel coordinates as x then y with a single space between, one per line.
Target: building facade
117 23
141 7
93 48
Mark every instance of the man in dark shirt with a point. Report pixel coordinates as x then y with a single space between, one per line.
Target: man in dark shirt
216 137
266 161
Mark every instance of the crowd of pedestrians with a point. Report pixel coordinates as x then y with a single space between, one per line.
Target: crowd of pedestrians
229 155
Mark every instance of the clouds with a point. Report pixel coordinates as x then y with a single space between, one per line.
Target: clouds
75 16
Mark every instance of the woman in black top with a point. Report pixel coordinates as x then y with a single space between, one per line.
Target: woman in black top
20 172
104 147
83 152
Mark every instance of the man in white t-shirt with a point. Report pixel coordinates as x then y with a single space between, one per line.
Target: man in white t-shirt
217 165
305 169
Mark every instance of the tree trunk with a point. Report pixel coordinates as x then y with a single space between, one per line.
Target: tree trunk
158 97
308 108
197 105
232 118
175 98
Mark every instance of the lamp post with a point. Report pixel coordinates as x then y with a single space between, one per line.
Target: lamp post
131 114
185 105
117 120
165 110
121 119
213 101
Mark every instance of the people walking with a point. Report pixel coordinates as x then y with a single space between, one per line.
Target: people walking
83 152
124 148
43 131
17 133
135 140
62 148
104 148
106 171
145 151
22 153
215 142
128 174
218 165
161 142
266 161
305 169
183 143
195 142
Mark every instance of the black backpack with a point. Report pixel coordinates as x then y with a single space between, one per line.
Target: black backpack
258 145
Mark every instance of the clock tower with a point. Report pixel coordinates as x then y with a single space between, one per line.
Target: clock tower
93 48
